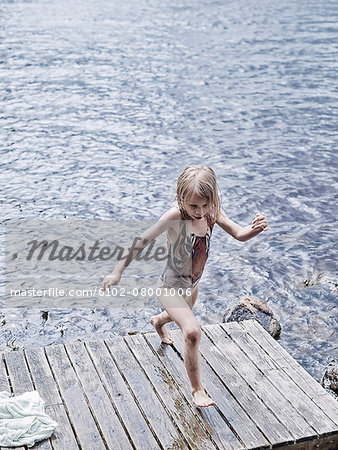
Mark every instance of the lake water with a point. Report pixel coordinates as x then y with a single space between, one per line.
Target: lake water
104 103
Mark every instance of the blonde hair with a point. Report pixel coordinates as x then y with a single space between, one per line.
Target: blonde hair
202 181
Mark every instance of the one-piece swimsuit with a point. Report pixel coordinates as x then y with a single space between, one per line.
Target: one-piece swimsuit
186 258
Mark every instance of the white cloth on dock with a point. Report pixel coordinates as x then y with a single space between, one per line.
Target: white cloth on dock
23 420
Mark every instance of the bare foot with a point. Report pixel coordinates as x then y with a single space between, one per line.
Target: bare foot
161 330
200 398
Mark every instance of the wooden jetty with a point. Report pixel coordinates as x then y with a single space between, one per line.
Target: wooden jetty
133 393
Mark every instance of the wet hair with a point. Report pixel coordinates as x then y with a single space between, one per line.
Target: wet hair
200 180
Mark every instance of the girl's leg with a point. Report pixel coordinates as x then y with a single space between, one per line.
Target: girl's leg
179 310
161 319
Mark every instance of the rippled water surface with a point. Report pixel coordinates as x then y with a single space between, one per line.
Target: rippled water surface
104 103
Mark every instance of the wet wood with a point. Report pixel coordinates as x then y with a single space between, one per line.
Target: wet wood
257 410
132 418
328 443
269 394
4 379
21 382
153 410
5 386
287 364
171 398
99 402
133 392
63 437
74 398
303 404
218 430
238 416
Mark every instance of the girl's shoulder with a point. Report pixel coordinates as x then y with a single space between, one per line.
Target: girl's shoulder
172 214
173 219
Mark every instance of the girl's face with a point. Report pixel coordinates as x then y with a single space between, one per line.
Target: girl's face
197 207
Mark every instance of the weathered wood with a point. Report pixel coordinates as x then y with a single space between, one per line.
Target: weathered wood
4 379
263 387
21 382
217 428
125 404
5 386
133 392
74 399
242 424
293 369
18 372
263 417
171 398
313 415
63 437
148 402
99 402
326 443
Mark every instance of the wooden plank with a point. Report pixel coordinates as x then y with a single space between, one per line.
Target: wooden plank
4 379
328 443
139 387
293 369
234 413
148 402
21 382
266 421
313 415
63 437
217 428
99 402
263 388
18 372
74 399
125 404
171 398
5 386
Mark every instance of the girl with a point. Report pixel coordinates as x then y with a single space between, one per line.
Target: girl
188 226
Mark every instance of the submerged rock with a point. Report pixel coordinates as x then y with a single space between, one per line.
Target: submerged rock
250 307
330 377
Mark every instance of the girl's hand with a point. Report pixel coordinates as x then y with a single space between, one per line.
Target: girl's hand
110 280
259 223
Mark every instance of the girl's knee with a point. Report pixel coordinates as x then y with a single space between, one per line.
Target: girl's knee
192 334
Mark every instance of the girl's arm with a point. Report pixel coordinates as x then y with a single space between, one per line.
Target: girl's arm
140 242
242 234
